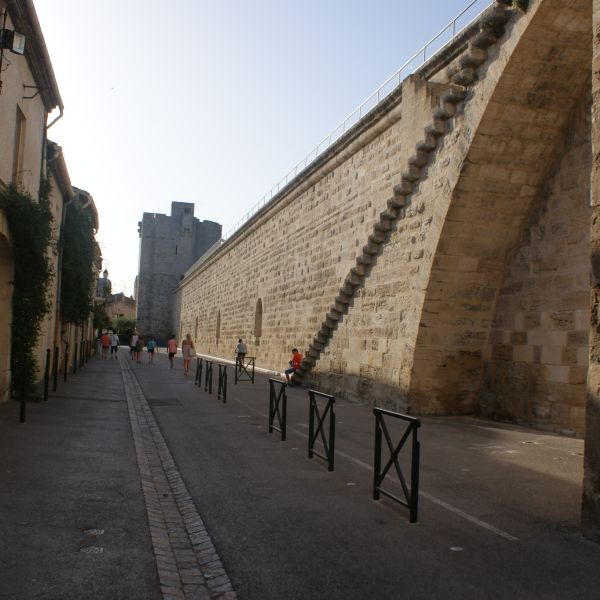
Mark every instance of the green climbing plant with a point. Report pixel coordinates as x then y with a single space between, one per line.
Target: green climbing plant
78 273
31 228
522 5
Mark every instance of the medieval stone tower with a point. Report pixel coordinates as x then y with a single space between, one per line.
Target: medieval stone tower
169 245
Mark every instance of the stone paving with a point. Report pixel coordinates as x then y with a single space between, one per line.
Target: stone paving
187 562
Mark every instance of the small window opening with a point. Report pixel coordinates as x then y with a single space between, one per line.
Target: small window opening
258 320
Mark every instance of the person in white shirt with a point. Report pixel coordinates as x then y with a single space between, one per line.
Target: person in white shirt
114 345
240 350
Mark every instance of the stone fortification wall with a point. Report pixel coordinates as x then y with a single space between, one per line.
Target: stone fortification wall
292 258
591 483
169 245
372 354
537 356
385 261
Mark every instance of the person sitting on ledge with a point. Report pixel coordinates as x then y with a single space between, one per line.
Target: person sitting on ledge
294 364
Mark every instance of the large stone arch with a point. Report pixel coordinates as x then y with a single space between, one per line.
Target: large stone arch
6 293
516 139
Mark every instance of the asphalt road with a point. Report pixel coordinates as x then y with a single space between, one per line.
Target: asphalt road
499 510
72 519
498 515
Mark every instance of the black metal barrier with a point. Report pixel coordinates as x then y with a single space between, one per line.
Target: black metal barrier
411 497
81 354
23 402
55 369
314 414
208 376
47 374
198 378
241 369
75 360
66 361
278 407
222 389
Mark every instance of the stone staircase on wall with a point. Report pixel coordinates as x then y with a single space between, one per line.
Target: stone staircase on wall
491 29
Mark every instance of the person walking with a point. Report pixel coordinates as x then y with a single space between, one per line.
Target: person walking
114 346
188 350
105 341
133 343
139 346
171 349
151 347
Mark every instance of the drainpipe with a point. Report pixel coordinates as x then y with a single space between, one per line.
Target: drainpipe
61 108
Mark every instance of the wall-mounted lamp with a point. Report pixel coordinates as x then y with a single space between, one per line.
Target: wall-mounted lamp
9 40
12 40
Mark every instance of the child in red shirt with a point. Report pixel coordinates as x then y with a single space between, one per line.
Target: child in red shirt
294 363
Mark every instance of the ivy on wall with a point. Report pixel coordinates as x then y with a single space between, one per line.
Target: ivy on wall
521 5
30 225
78 260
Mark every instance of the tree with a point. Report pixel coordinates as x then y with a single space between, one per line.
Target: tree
101 319
124 326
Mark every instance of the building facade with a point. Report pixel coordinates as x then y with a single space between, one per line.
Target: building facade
29 93
120 306
29 100
169 245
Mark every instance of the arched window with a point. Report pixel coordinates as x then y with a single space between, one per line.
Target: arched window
258 315
218 333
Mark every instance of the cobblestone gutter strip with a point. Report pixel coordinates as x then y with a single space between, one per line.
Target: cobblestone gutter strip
187 562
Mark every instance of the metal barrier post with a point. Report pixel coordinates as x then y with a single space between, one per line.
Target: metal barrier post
278 407
241 368
328 445
66 361
46 374
81 361
411 497
222 389
55 369
23 399
198 378
208 377
75 360
414 477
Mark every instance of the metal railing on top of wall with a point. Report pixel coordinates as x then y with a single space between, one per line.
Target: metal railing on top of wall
452 30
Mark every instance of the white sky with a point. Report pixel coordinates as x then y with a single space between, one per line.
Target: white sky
212 102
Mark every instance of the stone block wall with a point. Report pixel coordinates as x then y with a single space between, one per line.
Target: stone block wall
536 360
294 257
169 245
423 323
591 465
